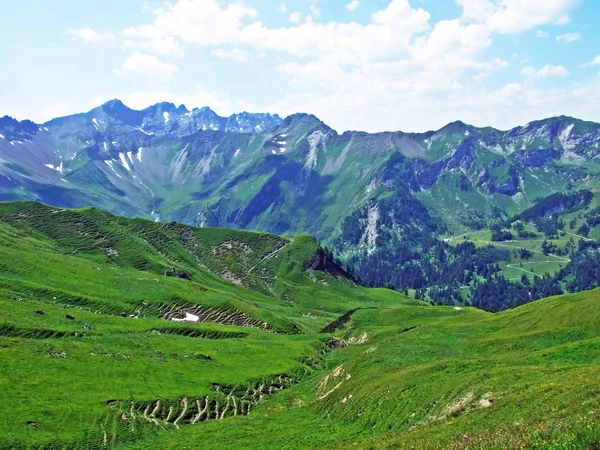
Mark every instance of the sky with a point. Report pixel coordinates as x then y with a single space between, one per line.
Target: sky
372 65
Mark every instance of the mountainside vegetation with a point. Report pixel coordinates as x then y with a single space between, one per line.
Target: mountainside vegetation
127 333
391 207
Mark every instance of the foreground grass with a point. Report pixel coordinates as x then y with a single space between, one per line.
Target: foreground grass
437 377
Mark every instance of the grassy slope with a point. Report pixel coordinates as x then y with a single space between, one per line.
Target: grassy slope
399 383
428 386
94 266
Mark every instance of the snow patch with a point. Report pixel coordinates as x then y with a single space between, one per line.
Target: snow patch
95 122
144 131
258 128
110 164
282 142
105 146
129 157
283 135
166 116
237 152
57 168
188 318
46 128
274 152
139 154
1 136
124 162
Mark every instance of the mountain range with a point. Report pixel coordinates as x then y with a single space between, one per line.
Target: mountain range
379 201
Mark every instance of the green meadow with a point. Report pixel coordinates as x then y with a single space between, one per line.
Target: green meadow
95 352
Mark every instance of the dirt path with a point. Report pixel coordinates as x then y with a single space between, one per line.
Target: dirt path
269 256
514 247
514 266
579 236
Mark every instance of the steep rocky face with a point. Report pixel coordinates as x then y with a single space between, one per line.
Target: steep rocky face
13 130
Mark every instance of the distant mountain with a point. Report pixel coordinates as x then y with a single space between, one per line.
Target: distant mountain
381 201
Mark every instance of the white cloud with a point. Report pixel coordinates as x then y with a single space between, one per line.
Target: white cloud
201 22
316 12
516 16
353 5
399 70
89 35
283 8
295 17
568 37
235 54
593 62
149 66
165 46
540 34
545 72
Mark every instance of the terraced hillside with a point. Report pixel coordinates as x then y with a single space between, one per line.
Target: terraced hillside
125 333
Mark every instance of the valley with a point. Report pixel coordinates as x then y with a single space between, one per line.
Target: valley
127 333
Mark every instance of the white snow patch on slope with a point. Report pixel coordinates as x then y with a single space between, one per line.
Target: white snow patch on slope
139 154
237 152
105 146
144 131
373 216
274 152
110 164
282 142
1 136
124 162
57 168
283 135
258 128
130 158
166 116
188 318
95 122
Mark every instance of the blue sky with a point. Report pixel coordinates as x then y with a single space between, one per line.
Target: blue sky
372 65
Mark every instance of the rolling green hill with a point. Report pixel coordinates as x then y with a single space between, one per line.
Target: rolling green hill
126 333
